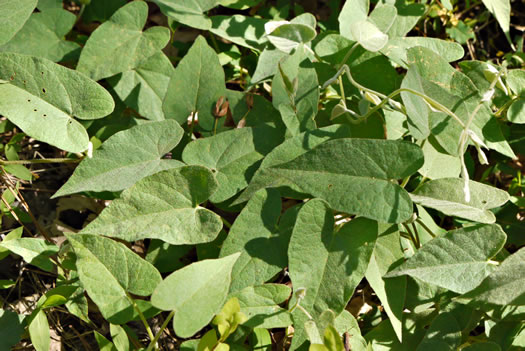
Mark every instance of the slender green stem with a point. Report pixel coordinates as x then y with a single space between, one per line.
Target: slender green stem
159 333
420 222
35 161
505 106
412 236
142 318
215 125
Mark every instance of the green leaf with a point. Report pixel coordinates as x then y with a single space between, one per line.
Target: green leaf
267 64
383 17
125 158
207 342
332 340
43 36
33 251
254 230
482 346
11 329
446 195
103 343
260 304
13 234
353 11
13 15
39 330
188 12
408 14
303 101
143 88
239 4
100 10
119 44
120 338
443 334
109 271
288 36
368 35
516 112
504 286
261 340
351 187
438 164
396 48
459 94
391 292
328 265
6 283
163 206
196 292
195 87
457 261
501 10
233 156
241 30
56 296
516 81
42 97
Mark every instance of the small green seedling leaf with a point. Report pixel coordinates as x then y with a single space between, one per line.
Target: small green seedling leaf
38 327
13 234
196 293
11 329
163 206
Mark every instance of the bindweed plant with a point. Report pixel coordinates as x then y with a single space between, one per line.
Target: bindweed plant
261 175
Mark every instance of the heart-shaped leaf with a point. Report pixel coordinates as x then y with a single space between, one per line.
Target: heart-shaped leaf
42 97
144 87
289 36
109 271
119 163
43 36
163 206
13 15
196 293
233 156
457 261
119 44
241 30
368 35
447 195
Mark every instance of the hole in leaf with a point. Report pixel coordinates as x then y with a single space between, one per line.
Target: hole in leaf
44 115
12 77
34 110
44 90
28 100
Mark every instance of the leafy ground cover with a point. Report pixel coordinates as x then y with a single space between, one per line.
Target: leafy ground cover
262 175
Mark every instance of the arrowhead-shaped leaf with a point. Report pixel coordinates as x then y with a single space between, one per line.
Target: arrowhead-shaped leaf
163 206
143 88
359 187
125 158
43 36
196 293
13 15
195 87
447 195
504 286
42 97
260 304
457 261
119 44
328 265
252 233
233 156
108 271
